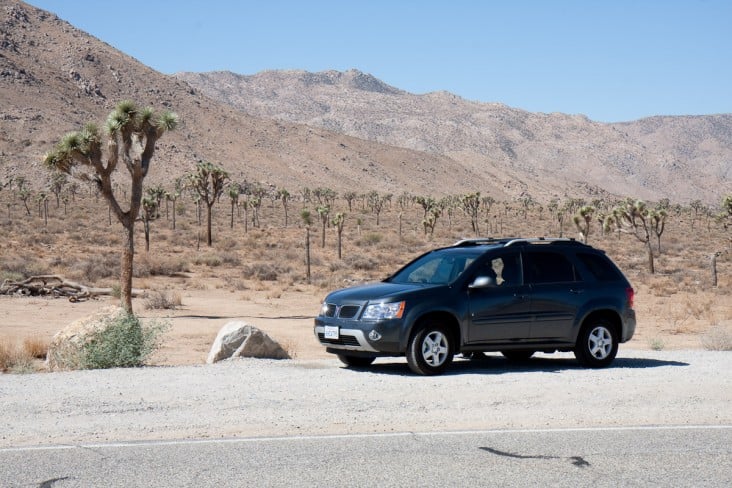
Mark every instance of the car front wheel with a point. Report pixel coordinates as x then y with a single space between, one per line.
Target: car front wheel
430 350
597 344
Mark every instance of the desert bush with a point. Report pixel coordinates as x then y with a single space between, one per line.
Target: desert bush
163 300
369 240
148 265
718 338
35 348
362 263
264 271
217 259
17 267
14 359
123 343
95 267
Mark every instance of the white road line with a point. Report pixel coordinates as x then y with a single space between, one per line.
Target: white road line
248 440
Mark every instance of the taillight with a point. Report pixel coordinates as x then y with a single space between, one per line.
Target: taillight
630 293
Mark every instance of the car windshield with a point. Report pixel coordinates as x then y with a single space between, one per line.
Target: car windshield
440 267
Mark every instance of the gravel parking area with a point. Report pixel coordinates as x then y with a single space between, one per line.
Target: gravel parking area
255 398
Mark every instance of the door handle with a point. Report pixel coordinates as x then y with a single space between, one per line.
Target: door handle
576 292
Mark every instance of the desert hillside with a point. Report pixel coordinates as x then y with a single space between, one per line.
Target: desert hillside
543 154
54 78
347 131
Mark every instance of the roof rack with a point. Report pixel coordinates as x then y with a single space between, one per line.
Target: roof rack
548 240
510 241
477 241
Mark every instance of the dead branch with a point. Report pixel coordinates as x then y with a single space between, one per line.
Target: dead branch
57 286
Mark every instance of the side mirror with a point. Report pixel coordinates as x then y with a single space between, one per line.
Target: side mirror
483 282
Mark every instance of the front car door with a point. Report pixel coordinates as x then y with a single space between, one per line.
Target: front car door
501 312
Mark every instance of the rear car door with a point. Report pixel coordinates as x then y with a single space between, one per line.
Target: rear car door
557 292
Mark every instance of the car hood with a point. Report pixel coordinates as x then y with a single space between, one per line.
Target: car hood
374 292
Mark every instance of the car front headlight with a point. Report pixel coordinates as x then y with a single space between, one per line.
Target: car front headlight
383 311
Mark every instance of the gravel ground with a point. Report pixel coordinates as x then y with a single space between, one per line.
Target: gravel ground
256 398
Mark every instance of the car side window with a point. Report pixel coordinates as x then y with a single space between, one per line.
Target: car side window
548 267
505 269
600 267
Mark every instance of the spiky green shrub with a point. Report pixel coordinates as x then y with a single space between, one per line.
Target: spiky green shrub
124 342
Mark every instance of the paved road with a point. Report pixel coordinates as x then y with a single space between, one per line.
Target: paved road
645 456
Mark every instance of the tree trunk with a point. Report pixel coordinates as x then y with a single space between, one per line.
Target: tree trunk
651 266
128 253
307 253
208 224
713 258
147 235
340 233
174 209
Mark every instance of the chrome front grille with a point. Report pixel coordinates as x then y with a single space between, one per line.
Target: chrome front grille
348 311
343 311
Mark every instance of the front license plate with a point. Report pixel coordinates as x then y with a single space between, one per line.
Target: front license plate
331 332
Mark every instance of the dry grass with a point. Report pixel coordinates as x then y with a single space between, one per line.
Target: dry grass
163 300
15 359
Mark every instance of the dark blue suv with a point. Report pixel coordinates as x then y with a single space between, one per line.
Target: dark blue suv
516 296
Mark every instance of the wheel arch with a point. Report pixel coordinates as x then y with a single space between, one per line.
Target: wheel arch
448 319
610 315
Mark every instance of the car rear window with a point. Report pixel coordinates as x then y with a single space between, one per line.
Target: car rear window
600 267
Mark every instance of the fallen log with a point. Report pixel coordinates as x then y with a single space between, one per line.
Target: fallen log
58 286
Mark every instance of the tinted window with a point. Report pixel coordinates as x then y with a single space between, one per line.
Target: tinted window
436 268
600 267
548 267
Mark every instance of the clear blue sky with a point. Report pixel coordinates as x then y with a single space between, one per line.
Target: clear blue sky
612 60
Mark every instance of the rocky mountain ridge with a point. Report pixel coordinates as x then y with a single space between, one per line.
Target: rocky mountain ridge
544 153
347 131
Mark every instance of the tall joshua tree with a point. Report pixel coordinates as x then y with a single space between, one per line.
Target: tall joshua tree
208 182
582 221
131 136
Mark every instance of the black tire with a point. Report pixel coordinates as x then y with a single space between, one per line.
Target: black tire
597 344
356 361
518 355
430 350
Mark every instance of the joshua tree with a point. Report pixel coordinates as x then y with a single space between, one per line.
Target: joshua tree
376 204
284 197
132 134
471 206
430 220
338 222
149 213
24 194
582 221
56 184
657 218
307 219
349 197
635 217
233 191
323 212
208 182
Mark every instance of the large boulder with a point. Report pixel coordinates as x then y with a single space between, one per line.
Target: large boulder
66 345
239 339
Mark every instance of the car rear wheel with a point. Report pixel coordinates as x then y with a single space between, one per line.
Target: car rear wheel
517 355
597 344
430 350
356 361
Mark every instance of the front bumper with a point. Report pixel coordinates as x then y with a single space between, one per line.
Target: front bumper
353 335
